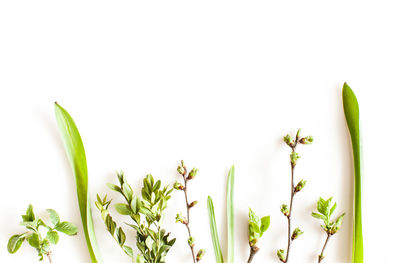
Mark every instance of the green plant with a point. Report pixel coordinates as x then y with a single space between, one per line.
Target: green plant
230 221
146 212
179 218
325 211
287 210
77 158
351 111
35 238
257 227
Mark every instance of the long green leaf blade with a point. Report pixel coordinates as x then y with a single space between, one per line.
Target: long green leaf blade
214 232
351 111
230 214
77 158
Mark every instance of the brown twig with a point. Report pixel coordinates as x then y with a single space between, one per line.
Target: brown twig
253 251
292 193
321 256
49 257
188 206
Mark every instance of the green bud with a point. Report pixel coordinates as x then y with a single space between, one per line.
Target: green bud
288 140
200 254
193 173
191 241
298 134
307 140
294 156
180 219
181 170
296 233
281 255
285 210
193 203
178 186
300 186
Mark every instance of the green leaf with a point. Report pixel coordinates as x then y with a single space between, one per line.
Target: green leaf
318 216
53 237
230 214
214 231
351 112
34 240
77 157
14 243
123 209
54 217
67 228
29 216
265 221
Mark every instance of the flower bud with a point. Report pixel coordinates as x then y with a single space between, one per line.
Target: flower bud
296 233
294 156
191 241
178 186
281 255
193 173
307 140
193 203
300 186
285 210
288 140
200 254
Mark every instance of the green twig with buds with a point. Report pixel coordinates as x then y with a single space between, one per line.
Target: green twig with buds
186 220
257 227
325 211
34 237
146 212
287 210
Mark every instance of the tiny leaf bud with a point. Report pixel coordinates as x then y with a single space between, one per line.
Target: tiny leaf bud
178 186
191 241
193 173
200 254
307 140
294 156
288 140
296 233
193 203
285 210
300 186
281 255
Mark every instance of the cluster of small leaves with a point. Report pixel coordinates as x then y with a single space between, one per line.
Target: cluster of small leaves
182 170
325 211
257 227
146 211
33 235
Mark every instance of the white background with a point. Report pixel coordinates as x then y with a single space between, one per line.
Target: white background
214 83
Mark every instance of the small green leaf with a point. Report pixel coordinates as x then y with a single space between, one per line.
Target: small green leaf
29 216
67 228
265 221
14 243
34 240
114 187
123 209
318 216
54 217
53 237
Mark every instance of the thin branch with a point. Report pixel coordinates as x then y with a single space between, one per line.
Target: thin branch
321 256
49 257
253 252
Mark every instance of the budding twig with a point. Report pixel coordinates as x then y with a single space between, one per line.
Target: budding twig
287 211
186 221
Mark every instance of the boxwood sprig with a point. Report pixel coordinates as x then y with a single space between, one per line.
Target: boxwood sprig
34 237
147 212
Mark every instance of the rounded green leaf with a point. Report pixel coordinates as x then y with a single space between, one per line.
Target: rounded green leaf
14 243
67 228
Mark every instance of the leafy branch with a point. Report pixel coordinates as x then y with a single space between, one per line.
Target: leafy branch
325 211
34 237
257 228
186 220
146 211
287 210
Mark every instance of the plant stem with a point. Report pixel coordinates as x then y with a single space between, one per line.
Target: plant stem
321 256
185 178
49 257
253 251
292 193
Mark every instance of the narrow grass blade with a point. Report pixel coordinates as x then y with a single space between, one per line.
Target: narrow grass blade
77 158
351 112
214 232
230 214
